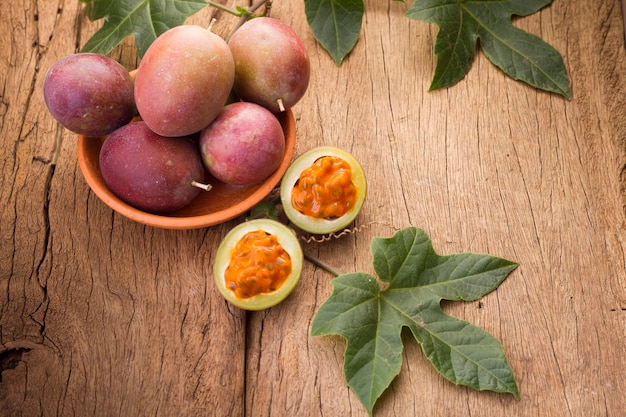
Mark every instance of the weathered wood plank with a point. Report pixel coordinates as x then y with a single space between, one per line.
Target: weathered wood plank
100 316
489 165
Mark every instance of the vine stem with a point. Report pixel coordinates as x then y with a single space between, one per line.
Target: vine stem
224 8
245 16
243 13
315 261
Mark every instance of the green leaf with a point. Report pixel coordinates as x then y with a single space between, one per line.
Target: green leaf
145 19
519 54
264 210
336 24
417 280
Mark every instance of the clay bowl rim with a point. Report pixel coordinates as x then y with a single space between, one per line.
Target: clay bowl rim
88 148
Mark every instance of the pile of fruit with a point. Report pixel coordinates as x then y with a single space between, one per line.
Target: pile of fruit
196 105
204 105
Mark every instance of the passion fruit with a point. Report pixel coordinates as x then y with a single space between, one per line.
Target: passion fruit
323 190
258 264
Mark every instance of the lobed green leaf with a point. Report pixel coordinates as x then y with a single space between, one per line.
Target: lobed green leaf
521 55
371 319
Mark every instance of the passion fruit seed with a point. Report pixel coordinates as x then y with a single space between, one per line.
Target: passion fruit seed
323 190
258 264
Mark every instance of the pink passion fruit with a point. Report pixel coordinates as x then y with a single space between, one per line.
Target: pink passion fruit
258 264
184 80
323 190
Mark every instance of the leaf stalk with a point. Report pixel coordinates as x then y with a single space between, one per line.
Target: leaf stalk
319 263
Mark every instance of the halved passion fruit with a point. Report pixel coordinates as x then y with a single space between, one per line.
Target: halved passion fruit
323 190
258 264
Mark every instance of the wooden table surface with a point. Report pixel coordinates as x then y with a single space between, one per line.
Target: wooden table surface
101 316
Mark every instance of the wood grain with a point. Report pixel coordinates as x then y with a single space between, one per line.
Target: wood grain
101 316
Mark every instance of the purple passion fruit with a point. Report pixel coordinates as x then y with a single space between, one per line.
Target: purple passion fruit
243 145
272 67
150 172
89 94
258 264
323 190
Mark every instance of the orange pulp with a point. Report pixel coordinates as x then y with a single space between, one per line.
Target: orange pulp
258 264
325 190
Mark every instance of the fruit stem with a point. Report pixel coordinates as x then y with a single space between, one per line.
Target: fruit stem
281 105
268 8
321 264
205 187
210 28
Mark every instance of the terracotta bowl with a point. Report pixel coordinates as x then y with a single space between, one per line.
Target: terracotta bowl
222 203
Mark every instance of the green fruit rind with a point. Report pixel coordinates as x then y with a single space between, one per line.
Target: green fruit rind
287 239
311 224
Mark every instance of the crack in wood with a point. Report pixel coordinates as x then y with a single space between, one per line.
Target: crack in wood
10 358
624 16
